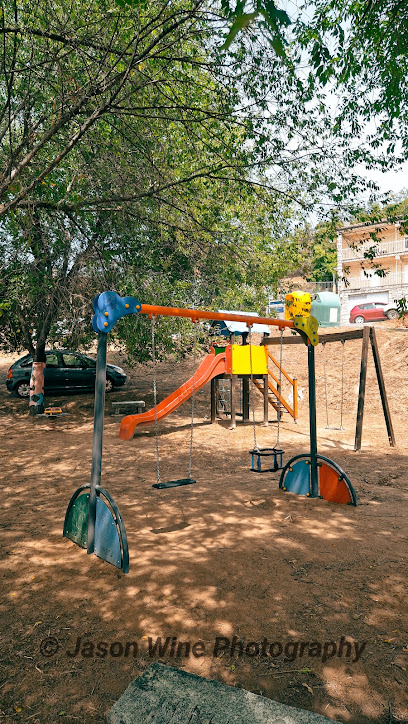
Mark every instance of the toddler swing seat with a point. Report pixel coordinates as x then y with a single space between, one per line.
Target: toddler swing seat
276 453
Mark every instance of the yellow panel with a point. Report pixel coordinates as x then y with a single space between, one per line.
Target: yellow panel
241 360
297 304
308 325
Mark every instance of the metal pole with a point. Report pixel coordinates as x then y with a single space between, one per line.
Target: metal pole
233 403
97 436
214 386
153 310
312 422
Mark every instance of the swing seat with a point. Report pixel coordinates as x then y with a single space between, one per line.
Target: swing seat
275 452
174 483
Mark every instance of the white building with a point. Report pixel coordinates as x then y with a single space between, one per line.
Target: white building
357 282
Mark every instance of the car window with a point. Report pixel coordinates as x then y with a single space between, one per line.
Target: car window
380 304
72 360
27 362
90 362
52 360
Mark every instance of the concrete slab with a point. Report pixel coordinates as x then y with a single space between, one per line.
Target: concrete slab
165 695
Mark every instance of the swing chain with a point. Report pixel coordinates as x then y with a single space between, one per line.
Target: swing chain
156 428
280 386
343 343
325 385
252 387
190 462
328 427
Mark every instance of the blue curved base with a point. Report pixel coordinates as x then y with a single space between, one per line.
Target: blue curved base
297 478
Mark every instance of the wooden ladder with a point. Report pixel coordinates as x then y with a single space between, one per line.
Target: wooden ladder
275 398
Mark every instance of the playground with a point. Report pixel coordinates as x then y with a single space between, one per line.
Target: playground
231 556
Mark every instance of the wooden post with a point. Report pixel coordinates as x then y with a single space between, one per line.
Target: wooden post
233 401
245 398
381 387
361 391
266 400
214 385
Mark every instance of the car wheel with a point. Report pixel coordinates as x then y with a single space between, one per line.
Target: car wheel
109 385
23 390
359 319
392 314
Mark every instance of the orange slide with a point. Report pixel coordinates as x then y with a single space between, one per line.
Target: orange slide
211 366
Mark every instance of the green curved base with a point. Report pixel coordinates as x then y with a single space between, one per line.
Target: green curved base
76 521
110 535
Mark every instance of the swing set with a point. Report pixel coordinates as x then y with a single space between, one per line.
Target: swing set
368 337
93 520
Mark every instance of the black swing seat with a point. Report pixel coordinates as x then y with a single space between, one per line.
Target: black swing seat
275 452
174 483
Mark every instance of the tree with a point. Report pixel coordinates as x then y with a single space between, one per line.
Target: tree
132 116
358 50
316 248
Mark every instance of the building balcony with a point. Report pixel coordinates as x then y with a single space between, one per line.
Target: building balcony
376 282
384 248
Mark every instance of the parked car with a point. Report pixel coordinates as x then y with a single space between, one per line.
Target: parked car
276 306
65 371
372 312
391 311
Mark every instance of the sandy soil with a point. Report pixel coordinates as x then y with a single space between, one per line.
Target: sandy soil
229 557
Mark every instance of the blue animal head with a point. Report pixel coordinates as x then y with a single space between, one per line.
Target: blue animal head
109 307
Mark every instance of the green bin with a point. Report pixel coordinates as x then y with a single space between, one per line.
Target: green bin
326 308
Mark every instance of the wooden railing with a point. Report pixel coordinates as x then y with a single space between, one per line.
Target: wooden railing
280 400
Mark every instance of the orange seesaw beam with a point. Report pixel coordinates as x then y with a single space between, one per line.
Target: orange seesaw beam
194 314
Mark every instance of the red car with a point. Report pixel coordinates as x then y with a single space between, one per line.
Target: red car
368 312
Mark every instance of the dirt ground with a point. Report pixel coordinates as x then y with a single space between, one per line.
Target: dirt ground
232 556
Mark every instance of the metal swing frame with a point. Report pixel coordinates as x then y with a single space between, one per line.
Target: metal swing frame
109 307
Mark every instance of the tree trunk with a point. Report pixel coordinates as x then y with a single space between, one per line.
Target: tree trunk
36 403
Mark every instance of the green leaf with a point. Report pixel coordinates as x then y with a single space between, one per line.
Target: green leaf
277 45
275 14
240 23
